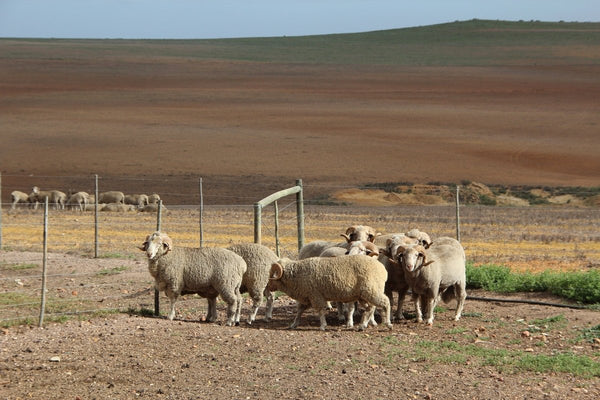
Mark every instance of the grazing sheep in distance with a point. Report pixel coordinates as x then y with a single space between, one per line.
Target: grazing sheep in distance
79 199
258 260
153 199
17 196
152 208
112 196
208 272
117 207
138 200
55 197
314 281
434 272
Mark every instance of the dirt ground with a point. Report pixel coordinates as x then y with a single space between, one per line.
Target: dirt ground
132 354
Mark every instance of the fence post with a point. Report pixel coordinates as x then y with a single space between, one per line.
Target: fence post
44 262
96 217
156 292
201 214
300 213
257 222
0 210
457 214
276 227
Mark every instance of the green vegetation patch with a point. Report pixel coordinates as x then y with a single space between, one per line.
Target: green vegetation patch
583 287
112 271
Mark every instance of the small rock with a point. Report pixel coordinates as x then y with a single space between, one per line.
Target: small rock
55 359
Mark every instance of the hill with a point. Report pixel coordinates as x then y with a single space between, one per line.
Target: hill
511 103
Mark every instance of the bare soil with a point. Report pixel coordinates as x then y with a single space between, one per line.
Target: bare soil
133 354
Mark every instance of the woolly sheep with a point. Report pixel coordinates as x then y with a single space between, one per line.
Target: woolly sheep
117 207
208 272
258 260
138 200
153 207
79 200
314 281
422 237
17 196
55 197
434 272
112 196
153 199
396 281
353 233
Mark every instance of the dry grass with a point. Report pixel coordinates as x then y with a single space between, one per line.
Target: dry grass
533 239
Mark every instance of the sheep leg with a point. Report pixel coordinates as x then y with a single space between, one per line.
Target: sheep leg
417 300
349 310
300 308
269 306
232 301
431 301
401 295
366 317
340 311
173 299
322 312
211 316
256 303
461 295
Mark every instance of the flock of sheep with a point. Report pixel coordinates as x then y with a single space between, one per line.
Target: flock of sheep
364 270
83 201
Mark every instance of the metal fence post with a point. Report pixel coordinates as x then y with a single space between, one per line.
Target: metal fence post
276 207
156 292
201 214
44 262
96 218
457 213
300 213
0 211
257 222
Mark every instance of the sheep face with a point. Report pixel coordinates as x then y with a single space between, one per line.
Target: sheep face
360 233
156 245
363 247
411 258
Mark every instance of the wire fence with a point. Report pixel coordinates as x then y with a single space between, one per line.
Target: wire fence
525 238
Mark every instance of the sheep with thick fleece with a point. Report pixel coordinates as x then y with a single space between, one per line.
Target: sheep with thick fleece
208 272
16 196
352 234
79 200
438 271
55 197
315 281
258 260
396 281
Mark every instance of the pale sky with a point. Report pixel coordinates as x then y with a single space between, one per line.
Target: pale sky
197 19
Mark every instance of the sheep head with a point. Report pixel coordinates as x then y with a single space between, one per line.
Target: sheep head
360 232
412 257
422 237
156 245
363 247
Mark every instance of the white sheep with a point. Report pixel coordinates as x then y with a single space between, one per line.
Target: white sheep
138 200
258 260
79 200
396 281
152 207
316 280
113 196
433 273
117 207
353 233
55 197
153 198
16 197
423 238
208 272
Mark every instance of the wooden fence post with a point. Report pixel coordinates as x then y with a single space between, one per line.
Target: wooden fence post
300 213
96 217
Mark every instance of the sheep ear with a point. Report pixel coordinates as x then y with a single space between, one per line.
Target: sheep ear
144 246
346 237
167 242
276 272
